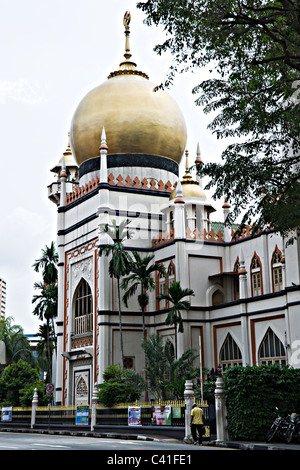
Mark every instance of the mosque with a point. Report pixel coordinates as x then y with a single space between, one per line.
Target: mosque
126 142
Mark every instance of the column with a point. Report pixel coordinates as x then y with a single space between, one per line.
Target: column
220 411
189 399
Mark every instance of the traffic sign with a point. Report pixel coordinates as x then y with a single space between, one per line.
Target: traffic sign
49 388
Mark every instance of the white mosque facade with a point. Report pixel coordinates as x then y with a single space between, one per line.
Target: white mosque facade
122 162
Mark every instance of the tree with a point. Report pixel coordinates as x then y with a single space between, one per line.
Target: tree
120 386
166 375
46 309
16 343
251 50
141 277
15 378
44 345
175 295
48 263
46 300
120 262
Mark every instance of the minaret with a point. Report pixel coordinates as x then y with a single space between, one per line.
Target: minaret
63 179
227 228
180 256
198 161
242 276
61 284
103 158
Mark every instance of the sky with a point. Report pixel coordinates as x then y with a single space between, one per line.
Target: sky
53 52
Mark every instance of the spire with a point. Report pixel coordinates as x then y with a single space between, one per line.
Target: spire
179 193
103 157
68 150
187 178
63 172
198 155
127 67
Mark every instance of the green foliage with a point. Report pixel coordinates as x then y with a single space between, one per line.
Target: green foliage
46 300
120 262
16 377
175 296
26 394
250 49
166 375
141 276
16 343
252 393
120 386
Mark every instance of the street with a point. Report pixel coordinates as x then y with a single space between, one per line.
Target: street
26 441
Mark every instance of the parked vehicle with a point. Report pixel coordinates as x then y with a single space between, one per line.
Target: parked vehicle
279 427
293 429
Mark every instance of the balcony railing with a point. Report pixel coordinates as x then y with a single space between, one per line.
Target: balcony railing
84 324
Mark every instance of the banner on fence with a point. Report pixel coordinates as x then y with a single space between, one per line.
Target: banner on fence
6 413
176 412
134 416
163 415
82 415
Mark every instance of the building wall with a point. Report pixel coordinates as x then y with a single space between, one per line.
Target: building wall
207 267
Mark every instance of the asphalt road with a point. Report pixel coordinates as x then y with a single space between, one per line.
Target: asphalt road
26 441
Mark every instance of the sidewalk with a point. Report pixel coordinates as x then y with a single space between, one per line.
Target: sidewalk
245 445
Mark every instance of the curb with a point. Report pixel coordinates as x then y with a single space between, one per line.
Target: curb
255 445
81 433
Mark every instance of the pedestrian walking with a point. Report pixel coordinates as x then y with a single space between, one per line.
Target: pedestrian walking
197 424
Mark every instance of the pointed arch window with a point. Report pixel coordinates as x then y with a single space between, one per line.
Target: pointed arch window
83 309
160 289
236 269
164 281
170 278
277 280
230 355
171 274
256 276
271 350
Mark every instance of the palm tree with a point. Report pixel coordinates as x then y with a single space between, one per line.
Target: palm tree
175 297
46 300
141 277
42 346
120 262
46 309
16 344
48 263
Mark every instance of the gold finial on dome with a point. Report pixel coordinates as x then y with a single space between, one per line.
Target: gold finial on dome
190 187
127 67
187 177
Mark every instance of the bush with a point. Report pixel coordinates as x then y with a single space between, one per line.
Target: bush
16 377
120 386
253 392
26 394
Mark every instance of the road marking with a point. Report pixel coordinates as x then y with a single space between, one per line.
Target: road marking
8 447
52 445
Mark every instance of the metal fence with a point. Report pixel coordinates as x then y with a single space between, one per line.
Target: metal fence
65 416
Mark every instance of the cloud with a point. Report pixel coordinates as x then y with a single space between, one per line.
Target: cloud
21 90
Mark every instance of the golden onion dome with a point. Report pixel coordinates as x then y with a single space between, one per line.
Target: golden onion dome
137 118
190 187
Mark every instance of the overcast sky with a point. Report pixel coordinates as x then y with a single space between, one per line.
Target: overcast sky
52 52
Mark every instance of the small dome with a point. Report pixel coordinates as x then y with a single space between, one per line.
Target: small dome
190 187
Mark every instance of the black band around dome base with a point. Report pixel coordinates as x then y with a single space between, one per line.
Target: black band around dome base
130 160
